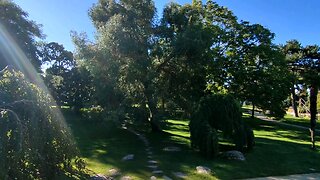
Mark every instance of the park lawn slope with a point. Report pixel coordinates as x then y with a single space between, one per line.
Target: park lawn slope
103 145
279 151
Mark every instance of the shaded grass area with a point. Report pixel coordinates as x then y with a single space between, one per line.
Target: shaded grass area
279 150
103 145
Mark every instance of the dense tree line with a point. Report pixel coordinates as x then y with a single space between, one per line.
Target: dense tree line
191 51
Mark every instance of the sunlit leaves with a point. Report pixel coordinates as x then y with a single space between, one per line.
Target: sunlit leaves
34 140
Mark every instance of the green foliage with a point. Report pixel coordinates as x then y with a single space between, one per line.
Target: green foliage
120 63
69 83
189 40
218 112
35 142
93 114
202 47
254 69
15 23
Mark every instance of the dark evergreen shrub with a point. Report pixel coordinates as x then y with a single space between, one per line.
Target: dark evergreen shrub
218 112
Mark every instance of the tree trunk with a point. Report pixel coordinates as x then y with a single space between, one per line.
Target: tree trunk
294 103
155 127
313 113
252 112
152 107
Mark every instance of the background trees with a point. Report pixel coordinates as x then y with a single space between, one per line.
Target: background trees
69 83
14 23
195 50
203 48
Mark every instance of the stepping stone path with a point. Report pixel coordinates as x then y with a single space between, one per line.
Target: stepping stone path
151 163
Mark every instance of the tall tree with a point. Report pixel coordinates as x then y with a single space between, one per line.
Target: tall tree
252 68
311 74
292 51
308 66
125 29
15 25
190 39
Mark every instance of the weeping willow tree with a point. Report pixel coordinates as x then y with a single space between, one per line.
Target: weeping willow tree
34 141
214 113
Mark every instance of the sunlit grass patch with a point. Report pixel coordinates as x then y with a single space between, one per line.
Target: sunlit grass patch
279 150
300 121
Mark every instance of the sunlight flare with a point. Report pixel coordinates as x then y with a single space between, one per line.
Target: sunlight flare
16 57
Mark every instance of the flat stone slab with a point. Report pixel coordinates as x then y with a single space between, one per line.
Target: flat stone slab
203 170
126 178
128 157
100 177
152 166
179 175
234 155
172 149
152 162
114 172
157 172
166 178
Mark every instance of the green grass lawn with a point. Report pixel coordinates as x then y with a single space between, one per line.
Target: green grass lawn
300 121
103 145
279 151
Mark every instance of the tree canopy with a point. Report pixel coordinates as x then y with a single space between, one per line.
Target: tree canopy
14 24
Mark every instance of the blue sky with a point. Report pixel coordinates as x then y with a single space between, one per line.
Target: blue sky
289 19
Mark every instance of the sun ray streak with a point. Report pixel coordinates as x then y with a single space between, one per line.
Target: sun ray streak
13 53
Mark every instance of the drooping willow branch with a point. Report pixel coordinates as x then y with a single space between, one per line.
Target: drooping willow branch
12 104
21 126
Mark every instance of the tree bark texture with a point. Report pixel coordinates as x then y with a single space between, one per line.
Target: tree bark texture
313 113
294 102
252 112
